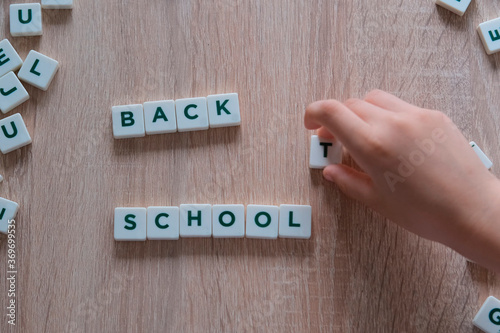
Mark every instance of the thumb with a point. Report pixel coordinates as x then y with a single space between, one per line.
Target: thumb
355 184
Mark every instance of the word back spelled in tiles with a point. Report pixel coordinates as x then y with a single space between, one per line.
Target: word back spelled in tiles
218 221
182 115
25 19
489 32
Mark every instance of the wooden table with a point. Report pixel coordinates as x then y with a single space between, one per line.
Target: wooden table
358 272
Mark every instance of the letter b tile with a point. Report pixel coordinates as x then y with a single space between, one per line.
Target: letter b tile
128 121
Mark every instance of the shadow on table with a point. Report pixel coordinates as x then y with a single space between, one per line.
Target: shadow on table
223 247
177 141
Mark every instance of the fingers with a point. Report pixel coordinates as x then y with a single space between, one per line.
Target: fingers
324 133
388 101
339 120
366 111
353 183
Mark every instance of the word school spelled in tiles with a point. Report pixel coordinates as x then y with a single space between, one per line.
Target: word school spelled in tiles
182 115
219 221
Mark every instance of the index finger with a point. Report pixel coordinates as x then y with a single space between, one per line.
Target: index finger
388 101
343 123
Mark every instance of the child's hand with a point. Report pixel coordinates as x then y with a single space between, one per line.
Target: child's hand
419 171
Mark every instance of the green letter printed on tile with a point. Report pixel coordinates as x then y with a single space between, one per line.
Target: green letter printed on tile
14 131
129 219
33 68
127 118
290 221
7 93
262 225
228 224
2 55
221 107
157 221
188 116
20 16
194 218
159 114
496 37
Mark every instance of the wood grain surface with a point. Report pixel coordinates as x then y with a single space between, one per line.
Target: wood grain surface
358 272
